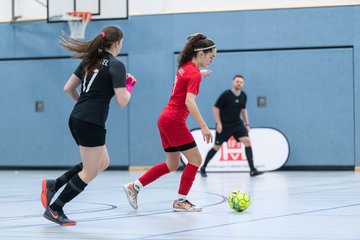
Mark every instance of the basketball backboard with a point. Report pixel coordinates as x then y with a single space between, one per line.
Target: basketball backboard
99 9
22 10
55 10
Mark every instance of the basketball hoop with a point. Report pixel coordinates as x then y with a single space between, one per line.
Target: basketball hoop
77 23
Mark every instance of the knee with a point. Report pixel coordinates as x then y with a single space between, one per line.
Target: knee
104 167
105 164
88 175
217 147
196 161
173 166
246 142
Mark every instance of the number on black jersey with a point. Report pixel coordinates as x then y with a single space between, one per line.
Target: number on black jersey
87 88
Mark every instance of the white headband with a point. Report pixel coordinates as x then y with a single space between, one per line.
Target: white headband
205 48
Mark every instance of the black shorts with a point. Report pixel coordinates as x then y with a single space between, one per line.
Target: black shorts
87 134
226 133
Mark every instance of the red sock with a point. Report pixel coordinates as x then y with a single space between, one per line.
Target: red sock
187 179
154 173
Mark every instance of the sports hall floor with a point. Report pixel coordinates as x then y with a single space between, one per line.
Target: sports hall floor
292 205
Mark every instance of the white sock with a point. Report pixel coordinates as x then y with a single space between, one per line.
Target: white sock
138 185
181 198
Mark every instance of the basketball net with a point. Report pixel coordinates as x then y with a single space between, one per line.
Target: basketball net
77 23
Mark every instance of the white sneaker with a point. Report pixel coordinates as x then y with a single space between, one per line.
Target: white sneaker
185 206
131 194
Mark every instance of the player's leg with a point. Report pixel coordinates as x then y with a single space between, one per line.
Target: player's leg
219 139
133 188
182 204
91 166
105 161
249 155
91 140
248 151
171 164
211 153
51 186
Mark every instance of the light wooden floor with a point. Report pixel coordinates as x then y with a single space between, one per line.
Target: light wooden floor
284 205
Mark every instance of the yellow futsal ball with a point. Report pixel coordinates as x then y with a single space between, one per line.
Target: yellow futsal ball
239 200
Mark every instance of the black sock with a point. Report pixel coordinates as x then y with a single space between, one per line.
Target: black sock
209 156
63 179
71 190
249 156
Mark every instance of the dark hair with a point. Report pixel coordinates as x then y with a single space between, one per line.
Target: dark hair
91 51
238 76
195 43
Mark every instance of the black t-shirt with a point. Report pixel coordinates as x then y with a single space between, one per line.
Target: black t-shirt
230 107
97 89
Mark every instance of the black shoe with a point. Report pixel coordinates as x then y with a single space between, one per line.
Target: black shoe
47 192
203 172
58 217
255 172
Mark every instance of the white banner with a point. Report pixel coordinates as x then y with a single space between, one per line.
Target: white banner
270 149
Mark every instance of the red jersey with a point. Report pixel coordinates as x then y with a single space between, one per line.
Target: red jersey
187 80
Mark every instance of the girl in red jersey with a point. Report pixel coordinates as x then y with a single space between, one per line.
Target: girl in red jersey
100 76
198 52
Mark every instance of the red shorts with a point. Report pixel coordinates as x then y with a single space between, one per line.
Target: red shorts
175 136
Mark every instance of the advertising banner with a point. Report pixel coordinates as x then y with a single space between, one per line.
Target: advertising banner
270 149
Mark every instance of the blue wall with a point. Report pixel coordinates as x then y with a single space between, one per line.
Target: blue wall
304 60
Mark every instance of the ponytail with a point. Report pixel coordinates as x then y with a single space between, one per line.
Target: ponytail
91 51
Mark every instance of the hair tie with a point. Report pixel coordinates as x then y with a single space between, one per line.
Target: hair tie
103 35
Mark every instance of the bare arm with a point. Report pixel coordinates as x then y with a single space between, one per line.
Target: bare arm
195 113
70 87
122 96
245 117
216 112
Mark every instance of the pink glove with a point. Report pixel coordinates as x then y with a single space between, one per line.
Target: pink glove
130 82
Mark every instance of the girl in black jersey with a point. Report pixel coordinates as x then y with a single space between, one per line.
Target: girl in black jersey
100 76
227 110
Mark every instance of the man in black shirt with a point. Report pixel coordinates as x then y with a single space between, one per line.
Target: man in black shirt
227 111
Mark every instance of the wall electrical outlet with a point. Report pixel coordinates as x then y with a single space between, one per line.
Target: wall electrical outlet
261 101
39 106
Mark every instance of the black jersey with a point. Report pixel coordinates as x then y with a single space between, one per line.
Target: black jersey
230 107
97 89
